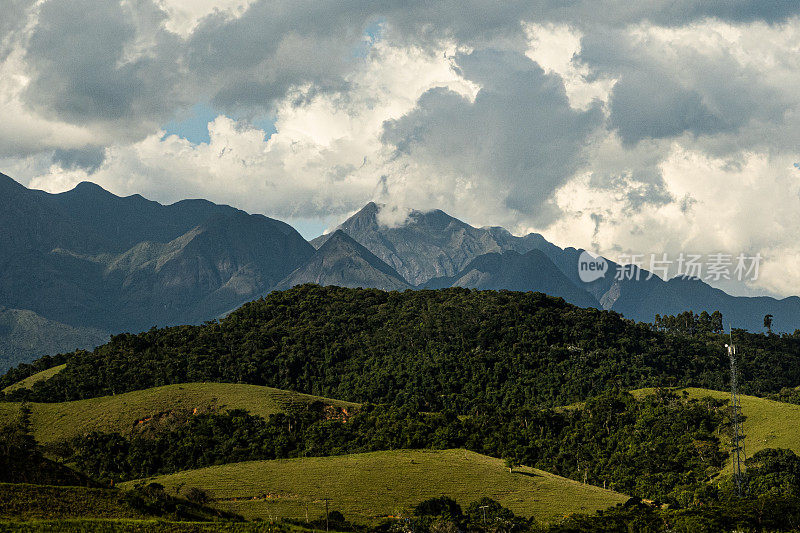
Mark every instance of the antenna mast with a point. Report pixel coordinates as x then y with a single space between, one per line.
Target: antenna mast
737 438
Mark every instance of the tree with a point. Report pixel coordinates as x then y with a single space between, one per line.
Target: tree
441 506
768 323
511 462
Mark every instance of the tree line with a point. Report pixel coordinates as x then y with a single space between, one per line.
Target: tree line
429 350
664 446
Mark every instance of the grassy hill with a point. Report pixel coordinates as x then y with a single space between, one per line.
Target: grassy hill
368 486
125 412
769 424
29 502
28 382
52 508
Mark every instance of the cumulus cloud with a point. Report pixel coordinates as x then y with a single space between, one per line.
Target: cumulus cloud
617 129
88 159
88 63
670 82
720 210
519 139
326 156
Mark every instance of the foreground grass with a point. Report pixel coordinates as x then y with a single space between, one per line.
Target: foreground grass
42 502
125 412
366 487
768 424
135 526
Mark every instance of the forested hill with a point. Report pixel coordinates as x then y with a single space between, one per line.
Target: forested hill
453 348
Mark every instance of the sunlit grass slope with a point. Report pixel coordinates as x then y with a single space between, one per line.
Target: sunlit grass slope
123 412
768 424
366 487
39 376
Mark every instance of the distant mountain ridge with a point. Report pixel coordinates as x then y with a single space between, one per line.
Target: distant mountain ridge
430 244
510 270
434 250
86 263
89 261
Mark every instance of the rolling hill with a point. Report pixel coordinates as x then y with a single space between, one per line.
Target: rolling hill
367 487
28 382
429 349
135 410
36 505
31 502
768 424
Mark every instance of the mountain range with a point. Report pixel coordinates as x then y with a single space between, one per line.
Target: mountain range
83 264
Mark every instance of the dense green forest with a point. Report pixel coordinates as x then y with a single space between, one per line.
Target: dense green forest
497 373
662 447
454 349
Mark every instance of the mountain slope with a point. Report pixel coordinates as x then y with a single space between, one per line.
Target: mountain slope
24 336
207 270
87 258
432 249
643 299
343 262
532 271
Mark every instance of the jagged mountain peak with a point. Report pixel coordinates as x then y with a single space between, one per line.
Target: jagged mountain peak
343 261
431 244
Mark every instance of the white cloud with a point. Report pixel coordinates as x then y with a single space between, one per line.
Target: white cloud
184 15
25 131
749 206
678 129
555 48
326 155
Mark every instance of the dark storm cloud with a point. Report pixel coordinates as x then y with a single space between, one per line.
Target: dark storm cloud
663 92
665 12
77 51
251 61
649 105
88 159
469 20
256 58
81 71
520 132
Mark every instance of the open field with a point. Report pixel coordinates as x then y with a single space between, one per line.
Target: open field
28 382
769 424
366 487
123 412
